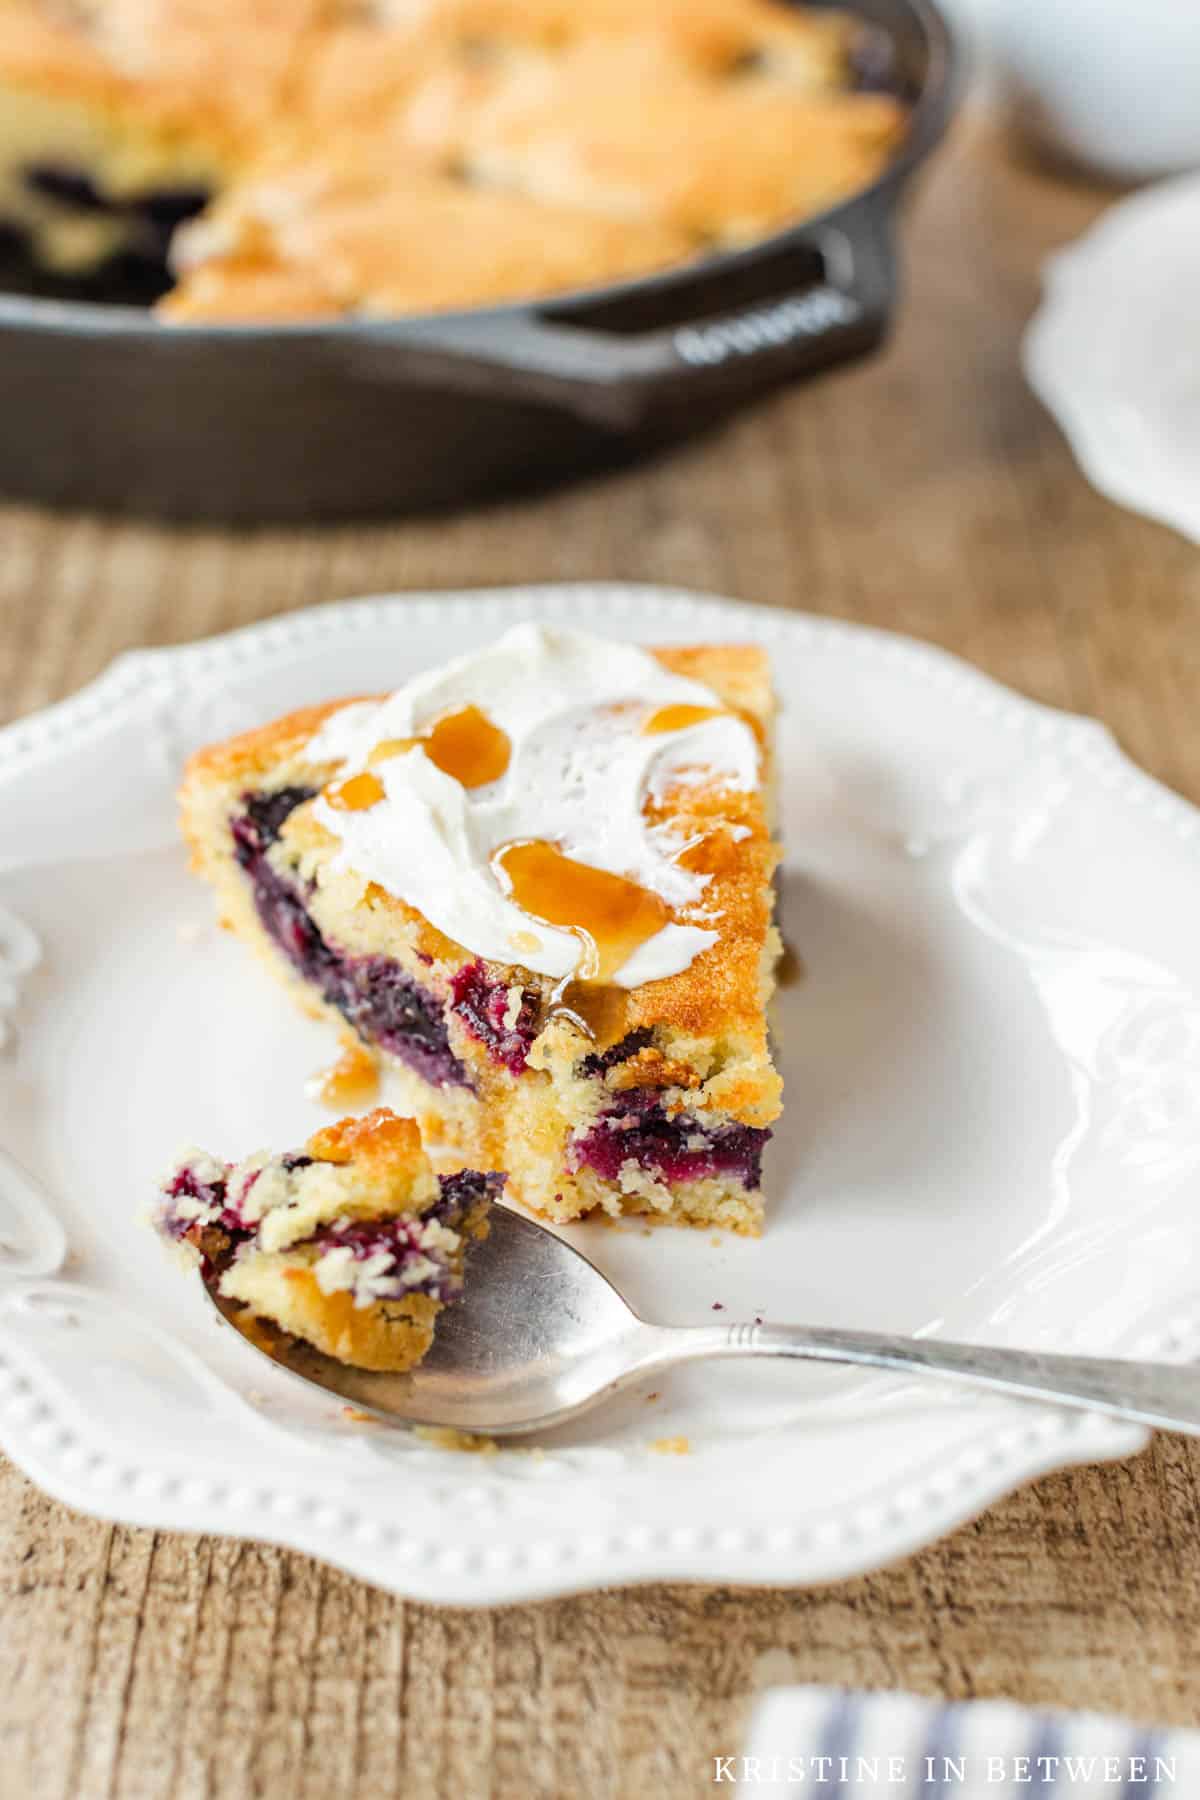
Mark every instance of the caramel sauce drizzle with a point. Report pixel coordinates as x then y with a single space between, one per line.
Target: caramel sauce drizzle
597 1009
355 794
468 746
464 744
611 915
389 747
678 718
352 1080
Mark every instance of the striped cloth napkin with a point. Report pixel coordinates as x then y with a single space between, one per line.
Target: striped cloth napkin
825 1744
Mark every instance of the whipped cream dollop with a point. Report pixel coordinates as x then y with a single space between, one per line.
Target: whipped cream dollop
581 770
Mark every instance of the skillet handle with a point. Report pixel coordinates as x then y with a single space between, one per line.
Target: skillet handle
625 380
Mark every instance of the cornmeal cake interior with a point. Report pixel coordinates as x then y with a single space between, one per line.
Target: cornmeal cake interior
537 883
351 1243
300 159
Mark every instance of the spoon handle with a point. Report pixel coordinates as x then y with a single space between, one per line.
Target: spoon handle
1164 1395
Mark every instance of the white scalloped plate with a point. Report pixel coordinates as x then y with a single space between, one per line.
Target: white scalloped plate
992 1130
1113 352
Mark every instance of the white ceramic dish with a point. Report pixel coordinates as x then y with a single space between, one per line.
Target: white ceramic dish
993 1124
1113 351
1109 85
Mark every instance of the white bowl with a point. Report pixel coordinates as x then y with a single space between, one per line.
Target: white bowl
1111 84
1114 352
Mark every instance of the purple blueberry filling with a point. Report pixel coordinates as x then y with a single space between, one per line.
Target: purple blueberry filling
874 65
165 208
68 186
395 1246
399 1240
160 208
463 1190
209 1194
378 998
389 1008
135 275
483 1006
220 1235
601 1061
221 1214
674 1149
265 816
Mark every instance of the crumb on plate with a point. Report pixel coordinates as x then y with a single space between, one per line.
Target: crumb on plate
445 1437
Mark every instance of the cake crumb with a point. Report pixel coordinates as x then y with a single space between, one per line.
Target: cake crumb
717 1306
653 1396
512 1012
789 966
672 1446
445 1437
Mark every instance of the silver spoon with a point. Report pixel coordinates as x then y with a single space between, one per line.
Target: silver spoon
540 1336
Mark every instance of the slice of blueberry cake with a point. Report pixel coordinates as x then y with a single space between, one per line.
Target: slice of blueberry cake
352 1243
536 883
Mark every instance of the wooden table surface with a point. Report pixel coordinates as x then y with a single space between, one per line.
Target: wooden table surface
925 491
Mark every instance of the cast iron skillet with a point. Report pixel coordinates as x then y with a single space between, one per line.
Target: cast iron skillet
102 406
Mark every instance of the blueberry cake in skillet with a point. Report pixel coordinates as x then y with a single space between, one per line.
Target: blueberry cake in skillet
537 884
351 1243
306 159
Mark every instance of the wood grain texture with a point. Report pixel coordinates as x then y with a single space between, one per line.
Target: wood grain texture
924 491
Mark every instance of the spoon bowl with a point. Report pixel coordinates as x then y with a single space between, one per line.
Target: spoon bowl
540 1336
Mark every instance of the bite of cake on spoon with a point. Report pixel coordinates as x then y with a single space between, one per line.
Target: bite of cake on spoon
351 1243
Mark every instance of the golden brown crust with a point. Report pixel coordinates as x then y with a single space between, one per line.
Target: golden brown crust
453 153
162 72
717 160
338 238
391 1335
651 1069
739 674
711 34
264 747
719 996
378 1141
